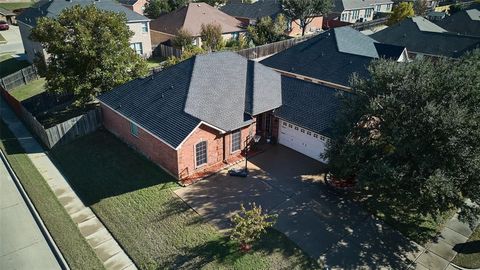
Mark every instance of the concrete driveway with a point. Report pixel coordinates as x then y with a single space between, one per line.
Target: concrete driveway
325 225
14 43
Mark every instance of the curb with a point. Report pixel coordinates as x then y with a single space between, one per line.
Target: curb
462 268
51 243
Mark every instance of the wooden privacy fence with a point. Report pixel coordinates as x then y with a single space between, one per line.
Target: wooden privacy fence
369 24
161 50
271 48
61 133
20 77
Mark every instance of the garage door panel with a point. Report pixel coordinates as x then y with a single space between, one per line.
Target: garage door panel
301 140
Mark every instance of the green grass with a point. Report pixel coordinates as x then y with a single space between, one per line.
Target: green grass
134 198
77 252
469 255
9 65
29 90
154 62
16 5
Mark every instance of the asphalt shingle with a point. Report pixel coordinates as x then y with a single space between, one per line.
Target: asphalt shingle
465 22
253 11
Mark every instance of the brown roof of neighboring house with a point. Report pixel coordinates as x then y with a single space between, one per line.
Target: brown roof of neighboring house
192 16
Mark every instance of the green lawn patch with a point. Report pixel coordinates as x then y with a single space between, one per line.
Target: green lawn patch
9 65
469 253
77 252
16 5
154 62
134 198
29 90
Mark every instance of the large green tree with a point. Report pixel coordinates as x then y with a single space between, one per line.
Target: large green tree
411 135
211 35
87 57
267 30
155 8
400 12
302 12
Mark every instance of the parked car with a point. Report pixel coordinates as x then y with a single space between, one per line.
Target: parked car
4 25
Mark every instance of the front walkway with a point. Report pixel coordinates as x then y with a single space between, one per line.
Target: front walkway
326 226
98 237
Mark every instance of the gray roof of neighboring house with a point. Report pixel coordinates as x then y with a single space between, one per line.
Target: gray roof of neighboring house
341 5
333 56
6 12
465 22
191 18
128 2
52 8
422 36
259 9
220 89
309 105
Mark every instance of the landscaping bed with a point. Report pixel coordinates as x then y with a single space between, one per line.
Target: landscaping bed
469 254
75 249
135 200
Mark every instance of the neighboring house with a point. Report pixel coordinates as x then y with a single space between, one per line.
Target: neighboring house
353 11
465 22
436 16
8 16
250 13
136 5
197 116
191 18
424 38
137 23
330 58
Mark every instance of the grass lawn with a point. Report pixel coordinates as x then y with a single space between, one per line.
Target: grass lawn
134 198
9 65
16 5
77 252
29 90
469 255
154 62
418 228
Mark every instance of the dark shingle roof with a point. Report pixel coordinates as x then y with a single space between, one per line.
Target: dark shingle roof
312 106
422 36
52 8
191 18
333 56
465 22
259 9
220 89
127 2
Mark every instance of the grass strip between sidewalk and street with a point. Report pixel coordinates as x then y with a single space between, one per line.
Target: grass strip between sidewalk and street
74 248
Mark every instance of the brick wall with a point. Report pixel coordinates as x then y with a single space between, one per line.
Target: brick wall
155 150
316 24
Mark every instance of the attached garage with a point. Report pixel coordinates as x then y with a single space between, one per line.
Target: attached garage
302 140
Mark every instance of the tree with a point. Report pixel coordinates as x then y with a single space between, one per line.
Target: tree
411 136
250 225
400 12
455 8
420 7
182 39
189 51
302 12
267 31
155 8
212 37
90 56
213 3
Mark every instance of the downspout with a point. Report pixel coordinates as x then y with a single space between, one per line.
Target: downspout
224 149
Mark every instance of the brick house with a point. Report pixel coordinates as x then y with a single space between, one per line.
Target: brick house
194 117
138 24
250 13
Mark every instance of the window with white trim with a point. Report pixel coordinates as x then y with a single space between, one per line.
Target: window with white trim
137 47
236 140
133 129
201 153
368 12
144 27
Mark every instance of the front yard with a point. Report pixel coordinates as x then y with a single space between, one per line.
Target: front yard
135 200
469 254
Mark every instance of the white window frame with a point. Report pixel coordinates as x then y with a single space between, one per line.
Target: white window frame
206 154
138 50
239 134
144 27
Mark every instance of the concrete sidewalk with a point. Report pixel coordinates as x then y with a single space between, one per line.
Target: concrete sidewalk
98 237
22 244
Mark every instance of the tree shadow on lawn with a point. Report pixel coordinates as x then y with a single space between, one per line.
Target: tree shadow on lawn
100 166
468 247
225 252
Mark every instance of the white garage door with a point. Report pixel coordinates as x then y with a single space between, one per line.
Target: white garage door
302 140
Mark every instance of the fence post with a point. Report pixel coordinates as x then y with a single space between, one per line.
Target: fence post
23 75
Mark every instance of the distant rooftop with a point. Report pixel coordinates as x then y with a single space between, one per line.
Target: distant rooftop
465 22
341 5
259 9
52 8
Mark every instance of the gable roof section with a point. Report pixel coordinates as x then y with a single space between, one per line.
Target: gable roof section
191 18
309 105
259 9
417 36
52 8
205 88
332 56
465 22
